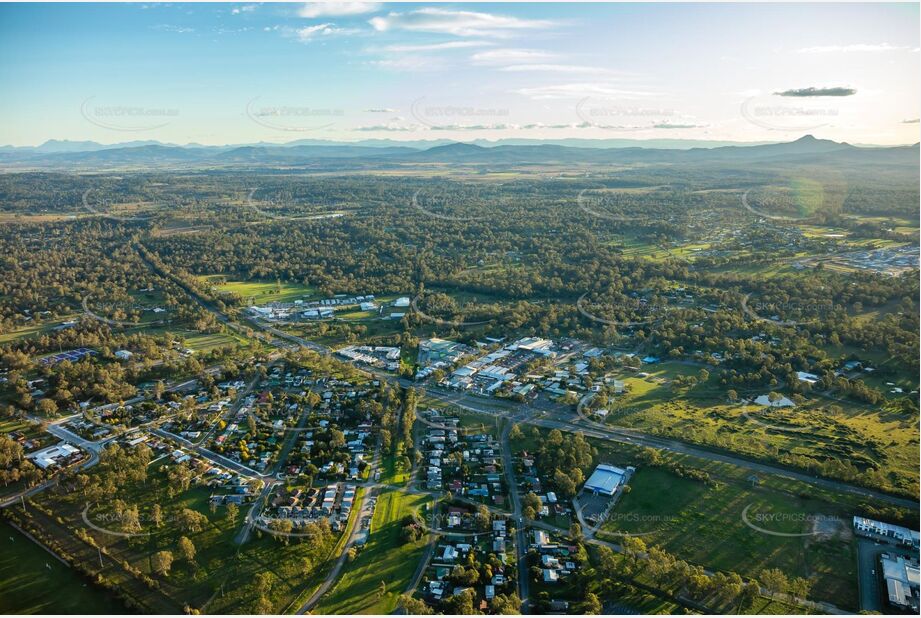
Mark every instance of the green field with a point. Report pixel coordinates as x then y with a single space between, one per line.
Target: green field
260 292
704 525
34 582
384 558
820 428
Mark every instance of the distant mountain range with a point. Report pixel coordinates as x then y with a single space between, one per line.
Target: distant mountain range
371 153
54 145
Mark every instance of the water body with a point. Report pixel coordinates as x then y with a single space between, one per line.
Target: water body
32 581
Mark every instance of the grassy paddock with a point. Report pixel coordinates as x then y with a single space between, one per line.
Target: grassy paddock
383 559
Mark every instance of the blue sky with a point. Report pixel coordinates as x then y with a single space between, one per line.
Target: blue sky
233 73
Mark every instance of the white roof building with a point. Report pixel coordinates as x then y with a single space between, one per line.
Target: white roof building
902 581
605 479
50 456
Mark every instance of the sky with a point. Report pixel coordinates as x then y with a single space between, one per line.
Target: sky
245 73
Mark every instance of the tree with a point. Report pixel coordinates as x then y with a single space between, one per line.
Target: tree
750 593
507 604
186 549
415 607
483 517
232 511
634 547
191 521
156 516
774 580
47 407
263 583
575 531
283 528
263 606
592 604
515 432
800 587
564 483
162 562
460 604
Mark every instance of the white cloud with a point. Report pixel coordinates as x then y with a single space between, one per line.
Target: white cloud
380 110
246 8
458 23
409 63
560 68
578 90
391 126
507 55
855 47
172 28
434 46
308 33
337 9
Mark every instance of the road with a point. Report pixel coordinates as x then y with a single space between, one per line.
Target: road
352 533
559 417
565 420
868 579
520 534
243 534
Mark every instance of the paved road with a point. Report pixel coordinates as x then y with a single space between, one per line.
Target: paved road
868 567
427 555
243 534
493 406
567 421
352 534
520 534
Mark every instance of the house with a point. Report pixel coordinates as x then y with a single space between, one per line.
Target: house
550 576
809 378
541 538
123 354
53 455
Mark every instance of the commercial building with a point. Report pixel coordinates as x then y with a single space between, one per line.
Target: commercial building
902 580
605 480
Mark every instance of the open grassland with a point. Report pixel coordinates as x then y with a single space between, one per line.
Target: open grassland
384 559
883 438
260 292
706 525
35 582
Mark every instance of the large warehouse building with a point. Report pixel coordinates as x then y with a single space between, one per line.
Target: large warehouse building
605 480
